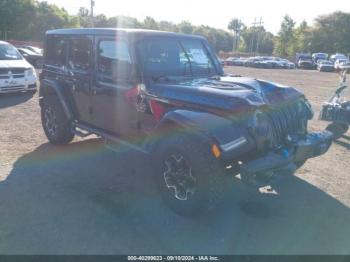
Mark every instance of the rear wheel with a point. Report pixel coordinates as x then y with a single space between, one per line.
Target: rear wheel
189 178
338 129
57 127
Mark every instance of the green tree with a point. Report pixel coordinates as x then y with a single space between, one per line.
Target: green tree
285 37
15 17
236 26
84 17
331 33
258 37
185 27
150 23
167 26
301 39
123 22
48 17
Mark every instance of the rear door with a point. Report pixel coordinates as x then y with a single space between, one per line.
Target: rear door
79 76
113 88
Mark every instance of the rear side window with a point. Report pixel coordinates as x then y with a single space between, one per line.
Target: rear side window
79 54
55 51
113 58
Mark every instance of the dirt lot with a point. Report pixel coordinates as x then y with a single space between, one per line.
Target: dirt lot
84 199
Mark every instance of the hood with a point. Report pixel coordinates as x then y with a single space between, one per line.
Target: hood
15 64
225 93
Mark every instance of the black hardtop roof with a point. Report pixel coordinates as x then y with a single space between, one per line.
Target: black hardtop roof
117 31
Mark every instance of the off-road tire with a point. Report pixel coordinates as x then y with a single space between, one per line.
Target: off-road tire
338 129
63 133
209 175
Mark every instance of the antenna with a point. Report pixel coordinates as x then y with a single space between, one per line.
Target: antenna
256 24
92 12
259 24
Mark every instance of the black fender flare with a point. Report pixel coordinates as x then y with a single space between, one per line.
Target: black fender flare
211 128
51 87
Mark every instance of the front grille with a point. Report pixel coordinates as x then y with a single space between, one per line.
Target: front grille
13 87
13 70
16 73
289 119
18 76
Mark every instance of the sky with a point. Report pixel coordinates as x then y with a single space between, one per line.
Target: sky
214 13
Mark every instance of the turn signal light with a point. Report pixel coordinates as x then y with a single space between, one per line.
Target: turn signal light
216 151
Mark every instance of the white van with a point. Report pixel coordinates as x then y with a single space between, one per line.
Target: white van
16 74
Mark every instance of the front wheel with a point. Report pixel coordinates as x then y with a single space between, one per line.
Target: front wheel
57 127
189 178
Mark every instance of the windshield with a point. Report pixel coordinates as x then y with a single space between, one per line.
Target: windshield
34 49
175 57
8 52
27 51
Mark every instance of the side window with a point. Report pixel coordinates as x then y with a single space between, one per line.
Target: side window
113 59
79 54
55 50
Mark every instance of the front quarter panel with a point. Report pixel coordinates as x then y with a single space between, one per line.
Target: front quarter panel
233 138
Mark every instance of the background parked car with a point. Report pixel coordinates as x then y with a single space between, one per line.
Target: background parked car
339 63
33 58
319 56
337 56
325 66
33 49
240 61
16 74
304 56
231 61
288 64
306 63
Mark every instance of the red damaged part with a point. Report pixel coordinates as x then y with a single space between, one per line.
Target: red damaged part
131 94
157 109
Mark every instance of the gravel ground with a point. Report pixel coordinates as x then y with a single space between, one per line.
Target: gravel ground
84 199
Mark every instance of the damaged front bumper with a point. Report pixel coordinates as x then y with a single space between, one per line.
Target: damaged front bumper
287 160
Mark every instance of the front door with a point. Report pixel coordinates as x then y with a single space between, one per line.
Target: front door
79 72
112 101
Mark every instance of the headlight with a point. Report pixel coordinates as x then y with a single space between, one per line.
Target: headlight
31 72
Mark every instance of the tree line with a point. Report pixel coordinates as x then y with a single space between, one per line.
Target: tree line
30 19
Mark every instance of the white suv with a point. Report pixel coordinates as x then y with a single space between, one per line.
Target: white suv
16 74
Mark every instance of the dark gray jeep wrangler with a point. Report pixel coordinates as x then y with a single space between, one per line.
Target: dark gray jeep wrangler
166 94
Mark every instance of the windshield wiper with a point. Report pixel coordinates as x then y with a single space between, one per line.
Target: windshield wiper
188 59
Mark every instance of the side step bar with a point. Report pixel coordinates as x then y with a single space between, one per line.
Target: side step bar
109 139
